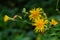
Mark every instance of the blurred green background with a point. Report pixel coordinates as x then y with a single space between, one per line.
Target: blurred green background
16 30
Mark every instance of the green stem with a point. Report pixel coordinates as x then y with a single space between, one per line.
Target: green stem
57 4
19 16
12 19
25 21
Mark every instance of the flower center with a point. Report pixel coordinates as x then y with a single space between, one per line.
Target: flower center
35 14
40 24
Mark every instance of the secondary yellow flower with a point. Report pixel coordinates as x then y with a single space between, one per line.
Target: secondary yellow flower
53 22
38 38
35 13
40 24
6 18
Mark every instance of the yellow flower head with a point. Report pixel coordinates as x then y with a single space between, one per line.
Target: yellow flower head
38 38
6 18
40 24
35 13
53 22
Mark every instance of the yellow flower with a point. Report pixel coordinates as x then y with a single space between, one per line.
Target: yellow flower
35 13
38 38
53 22
40 24
6 18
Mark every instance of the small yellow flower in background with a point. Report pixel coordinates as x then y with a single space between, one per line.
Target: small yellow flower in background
53 22
35 13
38 38
40 24
6 18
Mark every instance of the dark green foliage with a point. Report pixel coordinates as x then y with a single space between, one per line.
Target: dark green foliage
18 30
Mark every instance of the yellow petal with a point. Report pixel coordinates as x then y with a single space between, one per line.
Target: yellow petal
6 18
